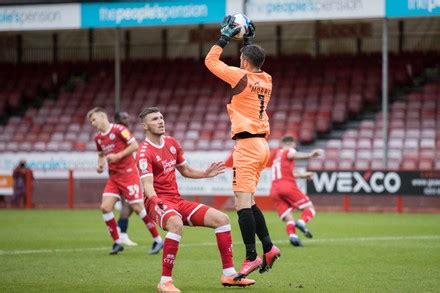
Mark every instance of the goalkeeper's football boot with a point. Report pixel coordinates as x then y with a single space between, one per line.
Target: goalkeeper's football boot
302 227
248 267
167 287
230 281
156 247
269 258
116 248
294 240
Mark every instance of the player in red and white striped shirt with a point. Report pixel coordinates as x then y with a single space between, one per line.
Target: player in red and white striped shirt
116 145
285 193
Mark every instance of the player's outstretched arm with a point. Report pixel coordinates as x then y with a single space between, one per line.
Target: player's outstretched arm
303 175
302 156
131 148
213 170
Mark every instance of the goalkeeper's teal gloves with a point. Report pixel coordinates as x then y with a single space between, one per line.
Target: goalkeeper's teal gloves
250 34
228 30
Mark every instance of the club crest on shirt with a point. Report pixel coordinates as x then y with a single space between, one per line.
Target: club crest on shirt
112 136
99 141
173 150
143 164
158 158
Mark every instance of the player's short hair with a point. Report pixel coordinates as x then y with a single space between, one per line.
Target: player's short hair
147 111
122 118
95 110
287 139
254 54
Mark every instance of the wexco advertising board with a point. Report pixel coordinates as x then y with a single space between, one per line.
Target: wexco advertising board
375 183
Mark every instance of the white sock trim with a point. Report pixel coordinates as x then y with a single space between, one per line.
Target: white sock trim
173 236
312 211
293 235
157 239
301 222
164 279
229 272
142 213
108 216
222 229
291 223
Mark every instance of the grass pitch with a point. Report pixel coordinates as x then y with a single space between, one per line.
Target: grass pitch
67 251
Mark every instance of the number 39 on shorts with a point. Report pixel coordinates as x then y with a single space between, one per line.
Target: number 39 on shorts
133 190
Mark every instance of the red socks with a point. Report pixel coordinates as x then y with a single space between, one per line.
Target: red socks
112 227
224 244
170 248
308 214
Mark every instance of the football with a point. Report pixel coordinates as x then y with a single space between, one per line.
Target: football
242 21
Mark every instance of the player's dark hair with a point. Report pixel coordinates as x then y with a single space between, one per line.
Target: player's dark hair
287 139
254 54
95 110
147 111
122 118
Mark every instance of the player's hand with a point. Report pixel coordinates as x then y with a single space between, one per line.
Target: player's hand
156 201
228 29
250 35
215 169
100 169
111 158
317 153
308 175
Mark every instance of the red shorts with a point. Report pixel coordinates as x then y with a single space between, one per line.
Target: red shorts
126 185
191 213
286 196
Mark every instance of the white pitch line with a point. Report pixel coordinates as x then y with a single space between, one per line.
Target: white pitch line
324 240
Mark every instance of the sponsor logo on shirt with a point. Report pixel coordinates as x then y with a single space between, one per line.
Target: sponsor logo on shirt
169 166
108 148
143 164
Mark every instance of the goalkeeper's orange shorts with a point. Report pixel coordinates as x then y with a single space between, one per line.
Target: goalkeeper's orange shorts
250 157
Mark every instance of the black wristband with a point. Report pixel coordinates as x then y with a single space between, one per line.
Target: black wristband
222 41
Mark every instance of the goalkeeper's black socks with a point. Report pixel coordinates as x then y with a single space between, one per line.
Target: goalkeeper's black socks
261 229
247 227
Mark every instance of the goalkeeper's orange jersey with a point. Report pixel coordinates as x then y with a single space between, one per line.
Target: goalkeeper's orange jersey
250 94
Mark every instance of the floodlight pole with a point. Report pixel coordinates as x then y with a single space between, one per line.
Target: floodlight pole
117 70
385 91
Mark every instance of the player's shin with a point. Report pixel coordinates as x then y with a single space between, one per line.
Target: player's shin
110 221
308 214
261 229
247 227
224 244
150 225
170 248
290 228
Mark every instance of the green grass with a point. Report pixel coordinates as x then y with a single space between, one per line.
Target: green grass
61 250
